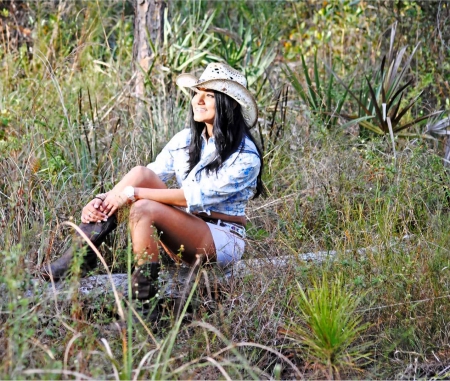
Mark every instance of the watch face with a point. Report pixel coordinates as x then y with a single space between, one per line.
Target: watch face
129 192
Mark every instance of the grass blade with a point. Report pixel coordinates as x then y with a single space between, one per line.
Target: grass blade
393 78
405 110
358 100
379 114
354 120
316 77
416 121
400 91
296 83
311 92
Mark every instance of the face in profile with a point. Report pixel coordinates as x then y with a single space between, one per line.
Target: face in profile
204 106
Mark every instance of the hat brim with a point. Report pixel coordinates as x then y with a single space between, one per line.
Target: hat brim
231 88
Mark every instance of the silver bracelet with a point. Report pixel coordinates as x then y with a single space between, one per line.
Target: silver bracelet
100 196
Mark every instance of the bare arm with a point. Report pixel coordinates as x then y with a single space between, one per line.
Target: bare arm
98 210
166 196
147 186
115 200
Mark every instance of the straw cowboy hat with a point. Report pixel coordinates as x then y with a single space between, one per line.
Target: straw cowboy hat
222 77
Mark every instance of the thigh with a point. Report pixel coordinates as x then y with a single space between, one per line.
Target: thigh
181 232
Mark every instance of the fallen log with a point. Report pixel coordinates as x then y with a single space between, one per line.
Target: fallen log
177 280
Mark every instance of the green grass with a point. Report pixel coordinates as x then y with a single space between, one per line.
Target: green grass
324 323
68 130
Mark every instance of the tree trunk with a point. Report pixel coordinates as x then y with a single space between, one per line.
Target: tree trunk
148 23
16 25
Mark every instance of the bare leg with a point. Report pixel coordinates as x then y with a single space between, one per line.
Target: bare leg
179 231
177 228
97 229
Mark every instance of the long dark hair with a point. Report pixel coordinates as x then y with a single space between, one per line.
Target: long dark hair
229 130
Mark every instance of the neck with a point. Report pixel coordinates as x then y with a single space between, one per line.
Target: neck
209 130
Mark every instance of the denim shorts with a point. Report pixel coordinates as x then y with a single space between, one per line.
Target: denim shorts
229 245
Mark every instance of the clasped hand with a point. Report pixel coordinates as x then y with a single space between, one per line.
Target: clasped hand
97 210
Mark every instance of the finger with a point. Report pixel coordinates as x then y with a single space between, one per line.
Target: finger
99 216
112 210
96 216
87 217
96 213
107 209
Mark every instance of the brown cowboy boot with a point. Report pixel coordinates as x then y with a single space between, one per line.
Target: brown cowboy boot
144 281
97 233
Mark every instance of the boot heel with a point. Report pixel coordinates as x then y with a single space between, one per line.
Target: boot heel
144 281
96 232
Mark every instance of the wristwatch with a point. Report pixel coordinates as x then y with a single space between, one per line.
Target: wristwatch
129 192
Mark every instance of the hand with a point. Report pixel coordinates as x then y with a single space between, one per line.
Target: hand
114 201
93 212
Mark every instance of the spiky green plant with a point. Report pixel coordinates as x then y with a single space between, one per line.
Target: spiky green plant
326 325
241 51
438 129
318 93
381 100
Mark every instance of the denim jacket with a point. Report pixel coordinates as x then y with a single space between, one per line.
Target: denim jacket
226 191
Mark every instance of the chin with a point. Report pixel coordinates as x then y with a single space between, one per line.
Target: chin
201 120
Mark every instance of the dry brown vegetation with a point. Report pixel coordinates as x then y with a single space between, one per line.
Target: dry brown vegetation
67 131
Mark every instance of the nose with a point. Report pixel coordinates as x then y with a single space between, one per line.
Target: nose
200 99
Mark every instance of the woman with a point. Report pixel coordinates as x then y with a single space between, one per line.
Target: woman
217 166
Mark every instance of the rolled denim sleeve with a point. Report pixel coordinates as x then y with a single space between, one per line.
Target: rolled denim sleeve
232 186
164 164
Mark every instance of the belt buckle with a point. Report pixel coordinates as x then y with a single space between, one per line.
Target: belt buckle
239 231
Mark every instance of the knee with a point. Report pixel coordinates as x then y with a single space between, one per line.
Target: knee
138 171
143 210
143 176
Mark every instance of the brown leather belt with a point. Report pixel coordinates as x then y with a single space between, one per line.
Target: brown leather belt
235 228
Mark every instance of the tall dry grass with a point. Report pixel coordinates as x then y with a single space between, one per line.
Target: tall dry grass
68 131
